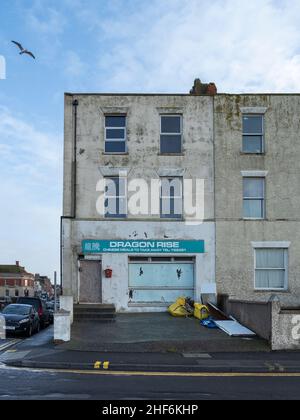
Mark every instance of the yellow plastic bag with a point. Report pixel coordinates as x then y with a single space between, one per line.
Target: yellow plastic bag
177 309
201 311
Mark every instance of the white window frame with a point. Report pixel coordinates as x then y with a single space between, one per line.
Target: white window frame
116 197
261 175
273 245
172 134
175 197
106 140
262 134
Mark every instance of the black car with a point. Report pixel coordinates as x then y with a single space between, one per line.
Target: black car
21 319
40 307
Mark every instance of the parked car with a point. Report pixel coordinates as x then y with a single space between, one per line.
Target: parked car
22 319
40 307
4 301
50 307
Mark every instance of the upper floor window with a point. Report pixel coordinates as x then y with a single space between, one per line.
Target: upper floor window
171 134
271 268
254 198
171 198
115 197
253 133
115 134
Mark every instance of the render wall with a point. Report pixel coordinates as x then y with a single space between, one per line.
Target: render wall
235 258
143 160
115 290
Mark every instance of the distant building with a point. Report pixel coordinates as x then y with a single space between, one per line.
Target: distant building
15 281
43 285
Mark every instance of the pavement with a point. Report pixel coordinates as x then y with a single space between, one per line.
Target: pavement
37 369
39 352
156 333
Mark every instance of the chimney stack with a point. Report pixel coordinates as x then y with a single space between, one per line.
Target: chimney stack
200 88
18 263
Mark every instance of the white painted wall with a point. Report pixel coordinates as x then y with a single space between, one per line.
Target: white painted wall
115 290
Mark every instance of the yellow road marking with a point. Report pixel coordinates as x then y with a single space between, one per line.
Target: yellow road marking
173 374
105 365
97 365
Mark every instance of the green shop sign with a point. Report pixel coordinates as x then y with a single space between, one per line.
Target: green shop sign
142 247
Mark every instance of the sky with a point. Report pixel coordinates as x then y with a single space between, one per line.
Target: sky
116 46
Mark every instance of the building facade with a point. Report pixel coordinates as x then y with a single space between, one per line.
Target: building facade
257 196
43 286
15 281
144 250
235 157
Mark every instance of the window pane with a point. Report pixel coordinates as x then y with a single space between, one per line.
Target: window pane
268 279
170 144
270 258
254 187
170 124
112 133
111 189
115 147
253 124
252 144
253 209
171 187
115 121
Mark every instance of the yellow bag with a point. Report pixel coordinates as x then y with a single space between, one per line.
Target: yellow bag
177 309
201 311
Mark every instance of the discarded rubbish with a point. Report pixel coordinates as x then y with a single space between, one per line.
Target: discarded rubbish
234 329
201 311
178 309
209 323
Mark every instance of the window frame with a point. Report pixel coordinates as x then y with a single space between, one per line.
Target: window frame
116 197
285 269
180 116
261 199
161 197
262 134
106 140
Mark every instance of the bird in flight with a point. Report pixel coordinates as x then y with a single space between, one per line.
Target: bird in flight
23 50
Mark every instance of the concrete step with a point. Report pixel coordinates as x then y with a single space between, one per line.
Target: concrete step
94 315
94 308
94 320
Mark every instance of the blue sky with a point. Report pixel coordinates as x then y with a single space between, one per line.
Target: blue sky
116 46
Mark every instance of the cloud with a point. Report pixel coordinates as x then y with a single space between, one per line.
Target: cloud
30 192
74 66
163 46
45 20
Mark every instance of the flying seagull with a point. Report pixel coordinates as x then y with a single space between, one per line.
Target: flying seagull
23 51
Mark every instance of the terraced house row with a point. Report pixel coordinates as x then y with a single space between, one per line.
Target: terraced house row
171 194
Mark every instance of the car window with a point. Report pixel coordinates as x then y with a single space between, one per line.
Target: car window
16 310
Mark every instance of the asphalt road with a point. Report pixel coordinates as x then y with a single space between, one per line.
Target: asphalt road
37 385
26 384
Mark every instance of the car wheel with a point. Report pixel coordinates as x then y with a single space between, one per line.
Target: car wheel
29 331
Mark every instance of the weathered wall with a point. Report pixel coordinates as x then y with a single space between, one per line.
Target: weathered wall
285 328
257 316
115 290
235 260
143 135
143 160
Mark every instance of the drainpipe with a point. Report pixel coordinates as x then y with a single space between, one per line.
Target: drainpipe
74 192
74 163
